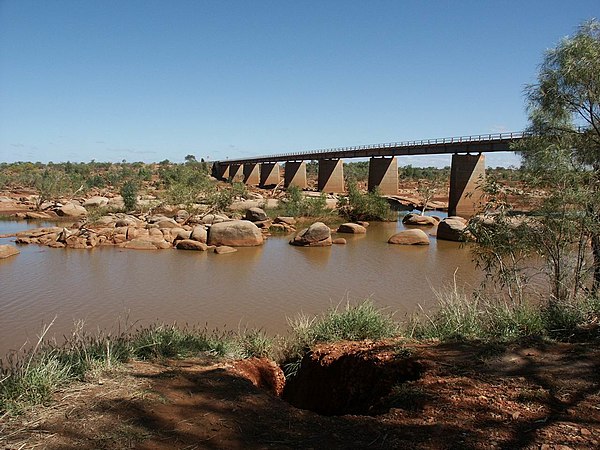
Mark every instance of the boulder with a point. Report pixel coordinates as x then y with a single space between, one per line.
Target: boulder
155 232
235 233
119 238
116 202
224 249
71 210
125 222
256 215
263 223
199 234
147 243
167 223
409 237
37 232
243 205
214 218
352 228
452 229
8 250
182 234
285 220
188 244
37 215
317 235
105 220
418 219
339 241
181 216
460 219
74 241
96 202
48 238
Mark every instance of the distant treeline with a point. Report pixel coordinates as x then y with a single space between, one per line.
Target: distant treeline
105 174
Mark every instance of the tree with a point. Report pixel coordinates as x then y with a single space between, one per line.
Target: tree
129 192
564 152
561 173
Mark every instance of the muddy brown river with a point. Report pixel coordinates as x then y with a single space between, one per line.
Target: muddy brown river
256 287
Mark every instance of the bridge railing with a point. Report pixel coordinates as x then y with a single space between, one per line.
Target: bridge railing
404 144
491 137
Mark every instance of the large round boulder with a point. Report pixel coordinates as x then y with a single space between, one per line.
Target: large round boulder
418 219
235 233
409 237
256 215
353 228
71 210
199 234
317 235
452 229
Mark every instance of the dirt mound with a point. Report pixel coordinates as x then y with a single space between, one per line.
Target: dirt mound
262 373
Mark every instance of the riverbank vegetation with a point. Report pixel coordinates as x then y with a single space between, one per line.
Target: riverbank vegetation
31 377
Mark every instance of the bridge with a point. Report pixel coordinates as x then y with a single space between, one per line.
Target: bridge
467 169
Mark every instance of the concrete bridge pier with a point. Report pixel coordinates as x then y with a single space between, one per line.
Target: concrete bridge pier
251 174
383 173
331 176
466 175
269 174
236 172
295 174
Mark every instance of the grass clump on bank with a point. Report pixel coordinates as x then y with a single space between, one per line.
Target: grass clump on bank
465 317
348 323
31 378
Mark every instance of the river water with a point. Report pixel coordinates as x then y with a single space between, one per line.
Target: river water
256 287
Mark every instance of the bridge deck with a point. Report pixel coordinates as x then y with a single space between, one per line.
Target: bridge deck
497 142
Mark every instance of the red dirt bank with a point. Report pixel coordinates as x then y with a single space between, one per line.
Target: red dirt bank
534 395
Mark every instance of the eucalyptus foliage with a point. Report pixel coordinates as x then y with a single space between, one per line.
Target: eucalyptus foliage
564 154
562 180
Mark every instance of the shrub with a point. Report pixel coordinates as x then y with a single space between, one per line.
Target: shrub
368 206
129 192
297 205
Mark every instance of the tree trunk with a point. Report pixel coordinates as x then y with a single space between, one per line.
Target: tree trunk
596 253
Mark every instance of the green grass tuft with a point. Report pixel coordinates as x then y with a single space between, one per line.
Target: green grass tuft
351 323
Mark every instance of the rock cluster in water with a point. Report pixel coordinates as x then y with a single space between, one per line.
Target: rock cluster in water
156 232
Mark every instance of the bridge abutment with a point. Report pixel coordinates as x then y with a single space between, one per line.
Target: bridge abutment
220 171
331 176
466 175
383 173
295 174
269 174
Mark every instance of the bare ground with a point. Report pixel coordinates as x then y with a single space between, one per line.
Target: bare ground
534 395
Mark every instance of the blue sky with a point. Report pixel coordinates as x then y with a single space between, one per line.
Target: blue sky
154 80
